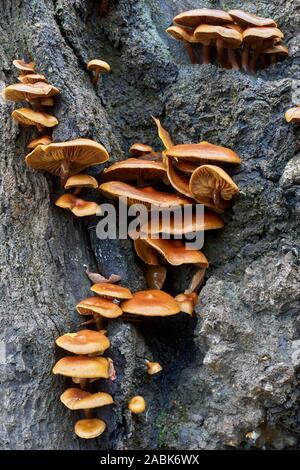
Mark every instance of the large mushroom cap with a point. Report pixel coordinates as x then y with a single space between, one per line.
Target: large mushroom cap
145 252
106 289
194 18
98 65
28 117
29 91
77 206
43 140
81 181
151 303
202 153
100 306
170 225
77 399
32 78
147 196
84 342
210 181
83 367
244 19
231 38
134 169
23 66
89 428
182 34
253 35
79 153
139 149
293 114
176 253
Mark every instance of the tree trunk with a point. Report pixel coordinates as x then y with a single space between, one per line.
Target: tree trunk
228 373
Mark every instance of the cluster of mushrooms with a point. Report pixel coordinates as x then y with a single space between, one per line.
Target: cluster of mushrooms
180 175
241 39
36 91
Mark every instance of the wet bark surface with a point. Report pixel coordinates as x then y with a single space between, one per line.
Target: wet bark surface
231 374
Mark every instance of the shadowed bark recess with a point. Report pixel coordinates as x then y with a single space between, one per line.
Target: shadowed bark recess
231 375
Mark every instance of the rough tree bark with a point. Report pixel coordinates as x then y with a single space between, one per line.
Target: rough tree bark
233 370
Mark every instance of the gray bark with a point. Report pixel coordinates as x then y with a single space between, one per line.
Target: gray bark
234 369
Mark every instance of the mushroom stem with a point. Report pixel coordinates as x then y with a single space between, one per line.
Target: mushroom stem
206 54
233 60
40 128
245 58
255 57
98 321
216 197
77 191
88 413
88 322
220 51
95 76
64 172
196 281
191 52
83 383
273 59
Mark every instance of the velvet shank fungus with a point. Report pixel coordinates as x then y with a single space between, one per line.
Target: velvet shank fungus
97 66
151 303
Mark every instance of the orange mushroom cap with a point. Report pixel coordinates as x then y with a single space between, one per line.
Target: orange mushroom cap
202 153
194 18
81 180
98 65
293 114
84 342
176 253
140 149
147 196
187 302
83 367
253 35
29 91
178 180
100 306
137 405
182 34
106 289
244 18
89 428
77 399
232 39
153 367
134 169
43 140
24 67
28 117
32 78
79 153
163 134
151 303
78 207
145 252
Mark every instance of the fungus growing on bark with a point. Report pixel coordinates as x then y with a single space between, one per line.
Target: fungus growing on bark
259 39
97 66
89 428
203 153
84 342
187 37
135 169
65 159
213 183
246 19
82 367
80 181
111 291
276 52
147 195
32 78
28 117
24 67
293 115
153 367
194 18
151 303
29 91
139 150
98 306
43 140
78 399
187 302
137 405
78 207
145 252
175 252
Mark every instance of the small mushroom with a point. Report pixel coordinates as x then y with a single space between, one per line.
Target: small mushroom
77 399
43 140
65 159
276 52
24 67
29 91
139 150
187 37
153 367
111 291
28 117
202 153
137 405
155 276
187 302
135 169
84 342
293 114
175 252
147 195
98 306
32 78
89 428
80 181
82 367
78 207
97 66
151 303
212 182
